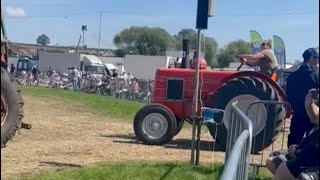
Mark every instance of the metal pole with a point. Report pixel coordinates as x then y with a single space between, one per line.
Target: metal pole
198 142
83 39
100 30
195 102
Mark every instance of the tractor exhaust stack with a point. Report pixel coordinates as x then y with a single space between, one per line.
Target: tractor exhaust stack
186 51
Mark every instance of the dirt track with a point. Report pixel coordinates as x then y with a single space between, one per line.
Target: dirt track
65 136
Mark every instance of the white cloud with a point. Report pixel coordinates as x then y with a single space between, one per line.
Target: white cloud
14 12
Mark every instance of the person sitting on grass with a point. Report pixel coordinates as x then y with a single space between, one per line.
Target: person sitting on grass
287 165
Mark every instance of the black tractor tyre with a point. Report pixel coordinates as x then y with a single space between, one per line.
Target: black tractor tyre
10 95
149 119
180 123
261 90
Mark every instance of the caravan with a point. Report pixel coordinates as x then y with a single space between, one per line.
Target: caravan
61 62
92 64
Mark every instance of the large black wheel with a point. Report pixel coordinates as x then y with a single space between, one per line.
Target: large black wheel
154 125
180 123
11 107
267 119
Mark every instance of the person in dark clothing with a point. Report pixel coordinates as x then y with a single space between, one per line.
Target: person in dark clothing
298 85
311 105
35 72
114 73
305 156
294 152
107 72
12 68
51 71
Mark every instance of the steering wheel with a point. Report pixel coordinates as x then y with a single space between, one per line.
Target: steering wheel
243 62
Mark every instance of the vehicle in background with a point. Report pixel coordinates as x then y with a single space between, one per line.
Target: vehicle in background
26 64
114 63
143 67
61 62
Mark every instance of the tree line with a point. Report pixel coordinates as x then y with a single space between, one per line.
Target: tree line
156 41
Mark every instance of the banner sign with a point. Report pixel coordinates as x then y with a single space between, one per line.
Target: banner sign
279 51
256 41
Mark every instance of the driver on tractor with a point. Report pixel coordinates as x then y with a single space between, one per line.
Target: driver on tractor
265 60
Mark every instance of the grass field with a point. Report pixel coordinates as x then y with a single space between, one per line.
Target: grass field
102 105
138 171
142 170
146 165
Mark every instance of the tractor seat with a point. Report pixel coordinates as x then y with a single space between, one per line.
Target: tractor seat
274 74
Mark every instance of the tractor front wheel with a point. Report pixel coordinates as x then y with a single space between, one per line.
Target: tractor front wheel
154 125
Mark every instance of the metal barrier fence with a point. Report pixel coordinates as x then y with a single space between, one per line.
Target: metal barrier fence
238 146
280 128
265 115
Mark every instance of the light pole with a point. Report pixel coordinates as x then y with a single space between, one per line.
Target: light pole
100 30
83 28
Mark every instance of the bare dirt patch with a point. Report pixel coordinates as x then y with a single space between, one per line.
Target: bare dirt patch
65 136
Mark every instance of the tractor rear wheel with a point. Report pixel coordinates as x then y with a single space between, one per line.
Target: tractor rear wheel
154 125
267 119
11 107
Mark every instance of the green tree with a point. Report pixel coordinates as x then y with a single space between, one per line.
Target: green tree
210 50
143 41
227 53
190 34
43 40
209 44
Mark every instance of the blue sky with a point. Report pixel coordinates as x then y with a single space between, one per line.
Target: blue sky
295 21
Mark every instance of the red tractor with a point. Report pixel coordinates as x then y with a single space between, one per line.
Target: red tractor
11 99
158 122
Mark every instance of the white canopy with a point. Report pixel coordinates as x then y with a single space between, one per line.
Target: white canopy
293 68
90 59
110 66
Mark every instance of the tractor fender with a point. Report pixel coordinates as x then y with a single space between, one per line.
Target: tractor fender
158 104
260 76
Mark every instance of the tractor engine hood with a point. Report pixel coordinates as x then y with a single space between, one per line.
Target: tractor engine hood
211 75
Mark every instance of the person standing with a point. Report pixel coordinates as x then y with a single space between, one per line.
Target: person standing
74 76
115 73
35 72
130 77
298 85
79 78
12 69
136 88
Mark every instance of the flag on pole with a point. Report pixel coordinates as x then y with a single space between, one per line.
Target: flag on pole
279 51
256 41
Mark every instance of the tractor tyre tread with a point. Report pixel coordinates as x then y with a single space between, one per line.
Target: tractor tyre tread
12 123
263 91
